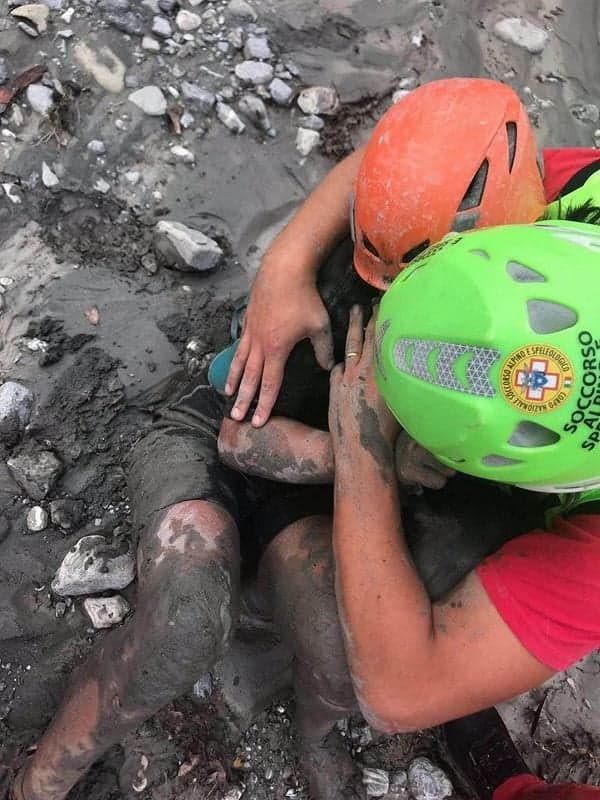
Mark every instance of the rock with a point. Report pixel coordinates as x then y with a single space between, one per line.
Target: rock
399 94
149 43
105 612
281 93
183 154
129 22
376 781
306 141
16 402
65 33
319 100
66 513
40 98
240 11
187 21
34 12
68 15
49 179
102 186
97 147
37 519
312 122
398 782
3 71
185 248
521 33
201 97
229 118
28 29
256 72
161 27
151 100
94 565
256 111
203 687
257 47
132 176
35 473
428 782
168 6
235 37
586 112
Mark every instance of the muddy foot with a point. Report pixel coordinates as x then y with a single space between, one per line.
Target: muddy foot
329 769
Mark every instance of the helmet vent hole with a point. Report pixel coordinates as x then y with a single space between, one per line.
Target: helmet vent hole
522 274
511 135
530 434
474 194
415 251
481 253
499 461
547 317
370 246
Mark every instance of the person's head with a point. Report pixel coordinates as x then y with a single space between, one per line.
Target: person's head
452 155
488 353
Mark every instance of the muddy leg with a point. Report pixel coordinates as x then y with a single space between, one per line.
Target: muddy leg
297 572
188 572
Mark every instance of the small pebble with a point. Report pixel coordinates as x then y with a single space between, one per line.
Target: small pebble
183 154
306 141
229 118
37 519
187 21
97 147
49 178
281 93
161 27
257 47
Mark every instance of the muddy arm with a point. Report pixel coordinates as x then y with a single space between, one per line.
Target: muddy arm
283 450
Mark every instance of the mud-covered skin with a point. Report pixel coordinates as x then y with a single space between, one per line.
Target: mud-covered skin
297 573
283 450
188 600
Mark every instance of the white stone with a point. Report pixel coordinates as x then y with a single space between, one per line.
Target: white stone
521 33
187 21
229 118
151 101
256 72
97 146
306 141
91 566
399 94
132 176
162 27
34 12
40 97
281 93
104 612
16 402
49 179
151 44
428 782
68 15
240 11
319 100
183 154
65 33
257 47
376 781
185 248
37 519
102 186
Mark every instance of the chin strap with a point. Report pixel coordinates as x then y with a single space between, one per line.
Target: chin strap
587 502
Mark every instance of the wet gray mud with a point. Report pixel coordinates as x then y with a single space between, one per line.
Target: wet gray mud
95 325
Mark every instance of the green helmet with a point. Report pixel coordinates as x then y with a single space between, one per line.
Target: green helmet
488 353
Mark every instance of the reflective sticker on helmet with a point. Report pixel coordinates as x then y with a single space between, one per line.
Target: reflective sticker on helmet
477 373
589 239
536 378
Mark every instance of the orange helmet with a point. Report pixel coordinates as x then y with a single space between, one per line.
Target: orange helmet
452 155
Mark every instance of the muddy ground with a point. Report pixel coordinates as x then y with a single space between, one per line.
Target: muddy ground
93 325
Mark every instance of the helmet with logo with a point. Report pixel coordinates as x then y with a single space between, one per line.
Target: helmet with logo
452 155
488 353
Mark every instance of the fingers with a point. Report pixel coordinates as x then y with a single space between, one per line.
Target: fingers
322 343
247 391
354 337
272 377
237 366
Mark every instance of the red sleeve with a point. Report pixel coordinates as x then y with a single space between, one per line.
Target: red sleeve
561 164
546 587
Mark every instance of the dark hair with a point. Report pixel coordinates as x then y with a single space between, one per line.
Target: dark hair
587 212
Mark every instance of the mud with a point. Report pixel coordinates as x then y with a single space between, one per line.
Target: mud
73 255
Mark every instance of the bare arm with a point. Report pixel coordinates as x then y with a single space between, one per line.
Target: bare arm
283 450
285 306
414 664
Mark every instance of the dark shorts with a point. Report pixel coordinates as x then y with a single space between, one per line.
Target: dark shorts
177 460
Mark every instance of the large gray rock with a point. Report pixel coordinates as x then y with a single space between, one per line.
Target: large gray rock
201 97
521 33
255 72
151 100
257 47
185 248
161 27
319 100
35 473
281 93
16 402
240 11
93 565
187 21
